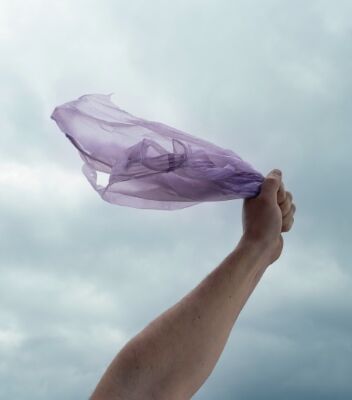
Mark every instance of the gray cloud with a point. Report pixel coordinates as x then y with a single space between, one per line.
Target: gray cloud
79 277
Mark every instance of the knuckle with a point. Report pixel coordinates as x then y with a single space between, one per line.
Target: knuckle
287 204
287 225
285 208
287 218
281 197
290 224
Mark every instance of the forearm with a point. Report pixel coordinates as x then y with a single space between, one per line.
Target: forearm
173 356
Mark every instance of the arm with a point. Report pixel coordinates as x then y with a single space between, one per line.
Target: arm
173 356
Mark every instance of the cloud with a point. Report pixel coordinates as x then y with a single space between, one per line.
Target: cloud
292 335
80 277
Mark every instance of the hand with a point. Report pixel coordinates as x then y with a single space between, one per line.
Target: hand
267 215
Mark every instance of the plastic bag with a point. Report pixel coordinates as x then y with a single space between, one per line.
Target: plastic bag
149 164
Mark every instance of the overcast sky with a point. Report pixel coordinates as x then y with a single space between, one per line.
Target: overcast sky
79 277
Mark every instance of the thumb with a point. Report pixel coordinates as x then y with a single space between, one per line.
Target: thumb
271 184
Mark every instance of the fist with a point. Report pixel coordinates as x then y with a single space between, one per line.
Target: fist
267 215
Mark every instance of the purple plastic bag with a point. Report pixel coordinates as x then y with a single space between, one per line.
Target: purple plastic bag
151 165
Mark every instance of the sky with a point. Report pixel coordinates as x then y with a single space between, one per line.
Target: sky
79 277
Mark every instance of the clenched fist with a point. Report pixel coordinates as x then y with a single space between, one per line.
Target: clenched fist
267 215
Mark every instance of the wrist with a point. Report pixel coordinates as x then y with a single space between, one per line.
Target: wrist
258 250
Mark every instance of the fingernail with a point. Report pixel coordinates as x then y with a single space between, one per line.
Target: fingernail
277 172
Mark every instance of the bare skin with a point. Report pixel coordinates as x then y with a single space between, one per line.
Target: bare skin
172 357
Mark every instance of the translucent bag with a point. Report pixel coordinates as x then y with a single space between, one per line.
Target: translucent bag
150 164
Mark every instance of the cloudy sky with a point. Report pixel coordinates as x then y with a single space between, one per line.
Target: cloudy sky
79 277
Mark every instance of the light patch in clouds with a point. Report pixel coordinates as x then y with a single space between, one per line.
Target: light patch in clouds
10 338
42 184
70 294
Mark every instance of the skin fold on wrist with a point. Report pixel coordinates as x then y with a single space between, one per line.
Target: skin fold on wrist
257 252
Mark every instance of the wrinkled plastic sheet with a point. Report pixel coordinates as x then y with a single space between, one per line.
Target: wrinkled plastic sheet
149 164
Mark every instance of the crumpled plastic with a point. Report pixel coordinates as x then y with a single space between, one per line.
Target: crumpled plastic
150 164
